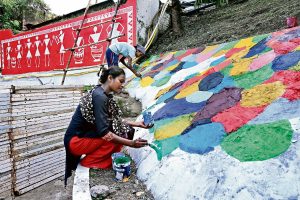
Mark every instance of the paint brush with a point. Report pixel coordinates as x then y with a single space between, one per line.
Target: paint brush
157 149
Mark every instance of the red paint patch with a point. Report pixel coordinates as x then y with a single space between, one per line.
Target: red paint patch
282 47
237 116
296 40
222 65
191 81
233 51
187 53
291 80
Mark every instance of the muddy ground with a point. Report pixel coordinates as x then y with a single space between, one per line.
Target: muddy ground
229 23
225 24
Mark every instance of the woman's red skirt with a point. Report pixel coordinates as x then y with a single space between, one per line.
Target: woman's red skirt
97 150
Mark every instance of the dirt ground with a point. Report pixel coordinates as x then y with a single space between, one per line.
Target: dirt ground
53 190
225 24
131 190
229 23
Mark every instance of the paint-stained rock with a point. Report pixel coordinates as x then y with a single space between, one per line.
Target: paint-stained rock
286 61
202 139
259 142
261 95
172 126
227 98
177 107
211 81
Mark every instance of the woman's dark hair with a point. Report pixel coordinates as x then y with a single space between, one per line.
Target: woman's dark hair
113 71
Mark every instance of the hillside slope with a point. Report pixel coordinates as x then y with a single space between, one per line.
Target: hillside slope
235 21
226 120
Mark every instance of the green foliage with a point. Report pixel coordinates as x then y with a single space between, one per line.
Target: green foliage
218 2
87 88
13 12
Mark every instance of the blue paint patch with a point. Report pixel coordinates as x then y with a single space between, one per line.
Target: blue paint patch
286 61
211 81
203 138
178 68
257 49
189 65
279 110
199 96
177 107
227 82
166 96
171 62
194 124
218 61
189 58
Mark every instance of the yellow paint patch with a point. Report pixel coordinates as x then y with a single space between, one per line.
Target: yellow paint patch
188 91
240 67
174 127
162 91
247 42
146 81
220 53
172 67
298 48
262 95
146 64
237 57
209 48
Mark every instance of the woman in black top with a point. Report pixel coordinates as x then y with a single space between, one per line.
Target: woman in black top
96 140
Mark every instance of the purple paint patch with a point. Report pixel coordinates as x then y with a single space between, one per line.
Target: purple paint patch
199 50
156 67
223 100
176 107
211 81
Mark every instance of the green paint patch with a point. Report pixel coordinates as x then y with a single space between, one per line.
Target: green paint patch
267 49
161 81
179 53
168 145
230 45
259 142
254 78
226 70
258 38
296 68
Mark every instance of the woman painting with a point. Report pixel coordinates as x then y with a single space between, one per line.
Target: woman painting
95 134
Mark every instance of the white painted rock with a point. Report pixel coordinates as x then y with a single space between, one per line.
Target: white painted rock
98 191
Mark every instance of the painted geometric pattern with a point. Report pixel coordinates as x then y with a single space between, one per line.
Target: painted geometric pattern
239 95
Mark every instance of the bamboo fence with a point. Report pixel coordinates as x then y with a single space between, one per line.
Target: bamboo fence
33 123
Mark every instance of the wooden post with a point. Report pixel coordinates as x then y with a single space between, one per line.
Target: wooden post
75 43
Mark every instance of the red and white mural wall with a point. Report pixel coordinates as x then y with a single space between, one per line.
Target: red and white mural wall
44 49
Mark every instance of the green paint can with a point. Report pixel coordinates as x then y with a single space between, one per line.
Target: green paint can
121 167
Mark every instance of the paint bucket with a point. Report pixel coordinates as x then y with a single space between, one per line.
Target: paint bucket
291 22
121 167
116 155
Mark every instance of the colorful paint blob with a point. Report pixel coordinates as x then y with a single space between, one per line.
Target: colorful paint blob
239 94
203 138
259 142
